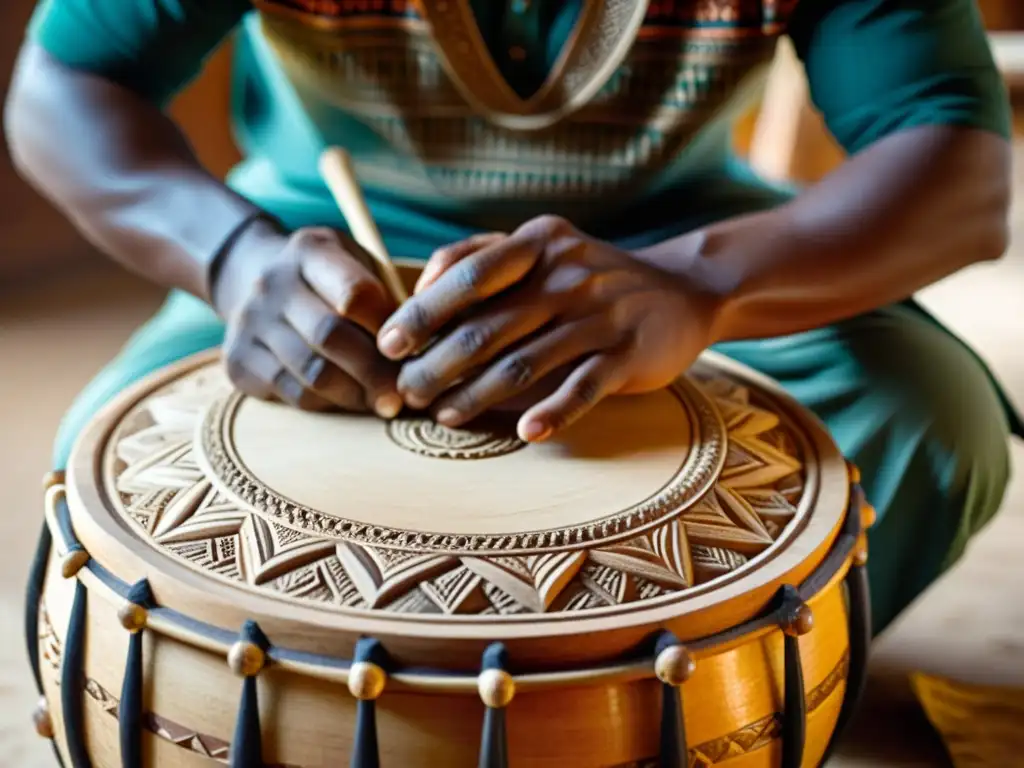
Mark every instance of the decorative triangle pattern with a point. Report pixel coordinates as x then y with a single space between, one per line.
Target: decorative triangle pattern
741 742
457 591
170 500
382 575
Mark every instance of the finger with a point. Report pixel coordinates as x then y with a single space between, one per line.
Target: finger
311 370
479 276
524 368
595 379
343 282
257 372
444 258
470 345
348 347
293 392
251 367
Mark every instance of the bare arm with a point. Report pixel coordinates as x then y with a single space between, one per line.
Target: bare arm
300 310
911 209
121 171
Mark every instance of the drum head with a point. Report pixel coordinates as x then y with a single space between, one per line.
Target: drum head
685 508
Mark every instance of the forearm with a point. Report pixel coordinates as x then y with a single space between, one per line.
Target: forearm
120 170
911 210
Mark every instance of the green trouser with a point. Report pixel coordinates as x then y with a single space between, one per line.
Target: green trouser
905 401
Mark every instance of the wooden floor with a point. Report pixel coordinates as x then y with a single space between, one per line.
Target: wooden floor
54 337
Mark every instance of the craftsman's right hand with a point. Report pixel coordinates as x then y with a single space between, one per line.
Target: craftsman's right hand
302 314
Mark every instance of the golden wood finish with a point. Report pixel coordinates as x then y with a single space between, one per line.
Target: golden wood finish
582 688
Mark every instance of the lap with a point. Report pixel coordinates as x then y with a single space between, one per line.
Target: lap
905 401
184 325
917 412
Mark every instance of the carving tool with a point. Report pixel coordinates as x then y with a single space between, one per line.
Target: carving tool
339 174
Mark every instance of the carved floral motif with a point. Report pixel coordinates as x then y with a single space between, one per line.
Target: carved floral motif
174 505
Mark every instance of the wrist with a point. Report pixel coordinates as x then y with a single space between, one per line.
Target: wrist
253 245
727 262
687 261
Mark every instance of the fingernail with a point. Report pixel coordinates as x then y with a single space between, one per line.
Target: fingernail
388 406
394 343
449 416
534 432
415 401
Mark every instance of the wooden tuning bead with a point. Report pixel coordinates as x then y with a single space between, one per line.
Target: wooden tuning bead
73 562
246 659
674 665
860 551
366 680
496 688
868 516
800 621
132 616
51 479
42 720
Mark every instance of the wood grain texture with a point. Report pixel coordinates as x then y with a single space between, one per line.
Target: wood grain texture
768 489
199 515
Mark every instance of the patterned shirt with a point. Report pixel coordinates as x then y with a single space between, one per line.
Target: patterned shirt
468 115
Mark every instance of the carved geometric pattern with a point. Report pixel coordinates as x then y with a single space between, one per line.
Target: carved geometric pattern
744 740
428 438
165 491
694 478
687 63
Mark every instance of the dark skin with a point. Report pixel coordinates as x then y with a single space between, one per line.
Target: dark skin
549 299
301 309
545 319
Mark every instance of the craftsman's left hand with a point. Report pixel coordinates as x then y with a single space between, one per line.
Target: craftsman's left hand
512 309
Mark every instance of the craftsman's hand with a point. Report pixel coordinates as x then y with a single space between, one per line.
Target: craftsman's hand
301 313
547 300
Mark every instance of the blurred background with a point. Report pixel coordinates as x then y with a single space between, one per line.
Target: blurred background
64 311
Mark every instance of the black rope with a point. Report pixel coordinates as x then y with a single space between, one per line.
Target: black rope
859 599
794 716
72 680
67 532
673 751
365 751
33 599
130 712
494 740
247 744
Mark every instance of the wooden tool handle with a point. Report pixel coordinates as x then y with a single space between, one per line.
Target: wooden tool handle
340 177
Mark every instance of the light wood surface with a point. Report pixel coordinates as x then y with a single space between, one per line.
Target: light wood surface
152 416
686 509
82 323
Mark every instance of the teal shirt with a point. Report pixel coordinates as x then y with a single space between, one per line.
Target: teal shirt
649 158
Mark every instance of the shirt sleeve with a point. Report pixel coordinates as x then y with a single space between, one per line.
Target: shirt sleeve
875 67
154 47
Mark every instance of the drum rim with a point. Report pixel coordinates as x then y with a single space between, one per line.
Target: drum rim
828 575
699 406
211 601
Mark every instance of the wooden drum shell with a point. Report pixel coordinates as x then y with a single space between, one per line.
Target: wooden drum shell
586 692
733 703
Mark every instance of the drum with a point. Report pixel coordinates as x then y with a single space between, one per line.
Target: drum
677 580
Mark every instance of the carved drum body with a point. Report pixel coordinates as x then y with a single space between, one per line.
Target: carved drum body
677 580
